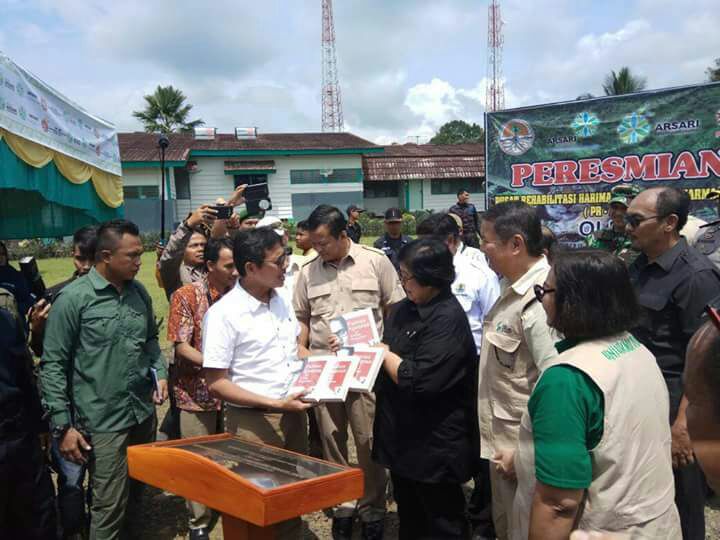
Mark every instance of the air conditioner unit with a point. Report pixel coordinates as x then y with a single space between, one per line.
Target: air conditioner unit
204 133
246 133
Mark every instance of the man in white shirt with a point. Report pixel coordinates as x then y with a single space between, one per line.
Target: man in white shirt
250 352
477 288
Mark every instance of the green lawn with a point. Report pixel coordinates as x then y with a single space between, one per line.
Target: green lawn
56 270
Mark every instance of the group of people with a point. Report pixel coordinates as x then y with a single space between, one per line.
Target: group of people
576 388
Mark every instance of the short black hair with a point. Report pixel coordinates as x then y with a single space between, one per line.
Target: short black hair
302 225
430 262
549 243
85 239
440 225
110 233
593 295
251 246
462 190
516 217
213 248
330 216
671 200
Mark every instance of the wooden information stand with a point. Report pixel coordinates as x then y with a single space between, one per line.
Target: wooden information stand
252 485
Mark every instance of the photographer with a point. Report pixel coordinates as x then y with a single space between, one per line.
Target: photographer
13 281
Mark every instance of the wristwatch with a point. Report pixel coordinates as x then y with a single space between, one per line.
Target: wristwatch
58 432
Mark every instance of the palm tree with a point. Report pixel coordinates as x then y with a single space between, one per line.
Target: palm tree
166 112
623 82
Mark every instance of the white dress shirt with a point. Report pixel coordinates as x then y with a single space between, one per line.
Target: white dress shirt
476 287
254 341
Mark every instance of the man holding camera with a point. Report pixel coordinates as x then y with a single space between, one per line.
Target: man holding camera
100 348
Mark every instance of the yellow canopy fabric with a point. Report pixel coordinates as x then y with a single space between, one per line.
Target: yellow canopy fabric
107 186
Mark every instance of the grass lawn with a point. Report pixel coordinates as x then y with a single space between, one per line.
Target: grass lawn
56 270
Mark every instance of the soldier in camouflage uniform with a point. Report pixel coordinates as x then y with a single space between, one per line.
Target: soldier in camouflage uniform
614 238
707 241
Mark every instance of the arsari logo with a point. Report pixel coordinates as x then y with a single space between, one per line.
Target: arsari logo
585 124
516 137
634 127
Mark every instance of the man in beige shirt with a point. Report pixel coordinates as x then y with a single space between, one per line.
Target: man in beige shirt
344 277
516 342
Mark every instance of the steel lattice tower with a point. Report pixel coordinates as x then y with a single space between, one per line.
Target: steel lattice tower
332 115
495 90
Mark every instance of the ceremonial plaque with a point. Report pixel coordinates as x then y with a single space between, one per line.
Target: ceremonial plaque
253 485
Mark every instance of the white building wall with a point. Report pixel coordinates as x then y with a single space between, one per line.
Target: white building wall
148 176
443 202
211 182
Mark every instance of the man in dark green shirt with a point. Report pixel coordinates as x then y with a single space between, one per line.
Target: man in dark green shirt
100 346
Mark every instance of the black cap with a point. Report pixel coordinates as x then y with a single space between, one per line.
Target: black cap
393 214
354 207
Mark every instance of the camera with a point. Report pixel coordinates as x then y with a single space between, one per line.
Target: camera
31 273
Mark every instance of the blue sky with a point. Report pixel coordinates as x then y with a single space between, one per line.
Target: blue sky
406 66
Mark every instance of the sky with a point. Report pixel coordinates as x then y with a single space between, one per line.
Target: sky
405 66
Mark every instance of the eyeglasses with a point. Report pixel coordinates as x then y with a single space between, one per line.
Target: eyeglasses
541 291
404 278
634 220
282 259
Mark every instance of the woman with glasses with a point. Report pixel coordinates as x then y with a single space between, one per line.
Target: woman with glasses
594 445
425 429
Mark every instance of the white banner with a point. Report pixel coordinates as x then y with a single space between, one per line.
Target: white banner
31 109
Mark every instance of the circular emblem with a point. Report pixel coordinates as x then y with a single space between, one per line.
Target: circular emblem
585 125
633 128
516 137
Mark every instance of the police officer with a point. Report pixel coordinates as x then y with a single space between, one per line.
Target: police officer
707 241
354 230
615 238
393 240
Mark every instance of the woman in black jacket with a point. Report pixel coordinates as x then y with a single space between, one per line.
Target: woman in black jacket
425 428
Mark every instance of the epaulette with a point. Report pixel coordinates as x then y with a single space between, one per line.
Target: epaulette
309 260
373 249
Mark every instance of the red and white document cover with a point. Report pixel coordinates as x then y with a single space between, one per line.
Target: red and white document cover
356 328
369 362
324 378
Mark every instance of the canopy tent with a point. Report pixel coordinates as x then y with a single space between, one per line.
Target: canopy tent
59 165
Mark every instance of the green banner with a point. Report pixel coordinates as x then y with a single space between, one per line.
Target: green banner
565 158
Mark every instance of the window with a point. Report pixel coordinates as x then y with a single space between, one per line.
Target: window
141 192
304 203
182 183
451 187
325 176
248 179
380 190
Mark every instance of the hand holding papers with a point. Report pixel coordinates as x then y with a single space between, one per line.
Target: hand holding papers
325 378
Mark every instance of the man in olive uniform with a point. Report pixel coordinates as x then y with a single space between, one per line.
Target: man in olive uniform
614 238
707 241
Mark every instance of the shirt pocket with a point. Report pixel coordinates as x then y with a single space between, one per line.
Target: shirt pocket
365 294
655 313
504 350
99 327
320 301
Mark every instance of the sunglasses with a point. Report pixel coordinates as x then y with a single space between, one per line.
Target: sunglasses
541 291
634 220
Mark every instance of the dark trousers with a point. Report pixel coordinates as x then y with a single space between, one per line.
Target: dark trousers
480 505
71 495
27 500
690 501
430 511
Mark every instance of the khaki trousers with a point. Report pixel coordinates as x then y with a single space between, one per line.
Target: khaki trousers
284 430
109 480
503 496
197 424
358 411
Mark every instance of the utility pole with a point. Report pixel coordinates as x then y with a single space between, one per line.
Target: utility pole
332 115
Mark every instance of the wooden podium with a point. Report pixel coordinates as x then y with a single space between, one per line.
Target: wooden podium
252 485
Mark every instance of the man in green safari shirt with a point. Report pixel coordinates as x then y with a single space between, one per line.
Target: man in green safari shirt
101 342
614 238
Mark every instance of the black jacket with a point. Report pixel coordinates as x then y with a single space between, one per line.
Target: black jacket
426 425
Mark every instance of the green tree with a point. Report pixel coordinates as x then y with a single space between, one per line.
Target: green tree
623 82
166 112
713 73
459 132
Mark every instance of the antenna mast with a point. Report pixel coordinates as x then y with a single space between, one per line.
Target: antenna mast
495 90
332 116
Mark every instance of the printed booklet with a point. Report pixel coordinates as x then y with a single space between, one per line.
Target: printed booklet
355 328
369 362
325 378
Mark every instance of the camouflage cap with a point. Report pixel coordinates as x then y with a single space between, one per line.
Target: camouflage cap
620 199
628 190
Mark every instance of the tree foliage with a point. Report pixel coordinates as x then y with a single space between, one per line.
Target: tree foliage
623 82
713 72
166 112
459 132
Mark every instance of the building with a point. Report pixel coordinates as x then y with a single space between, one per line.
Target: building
423 176
302 170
